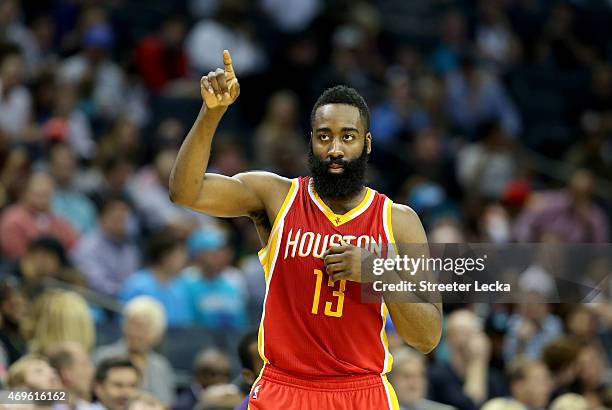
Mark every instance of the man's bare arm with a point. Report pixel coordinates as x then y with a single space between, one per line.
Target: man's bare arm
213 194
418 324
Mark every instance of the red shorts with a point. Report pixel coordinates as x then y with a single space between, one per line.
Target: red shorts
277 390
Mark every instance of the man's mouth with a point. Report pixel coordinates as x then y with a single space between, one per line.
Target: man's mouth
335 168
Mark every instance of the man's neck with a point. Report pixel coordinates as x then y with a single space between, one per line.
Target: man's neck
344 204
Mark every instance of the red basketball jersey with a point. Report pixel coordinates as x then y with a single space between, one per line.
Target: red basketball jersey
311 326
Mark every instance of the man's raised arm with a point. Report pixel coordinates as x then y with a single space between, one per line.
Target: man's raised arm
214 194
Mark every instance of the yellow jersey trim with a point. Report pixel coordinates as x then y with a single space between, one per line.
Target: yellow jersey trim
337 219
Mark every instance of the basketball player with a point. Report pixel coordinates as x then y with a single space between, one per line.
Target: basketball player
322 347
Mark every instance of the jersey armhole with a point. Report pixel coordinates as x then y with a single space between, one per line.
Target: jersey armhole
281 213
388 224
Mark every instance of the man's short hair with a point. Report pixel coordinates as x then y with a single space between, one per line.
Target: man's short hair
48 244
110 199
106 365
161 244
341 94
561 353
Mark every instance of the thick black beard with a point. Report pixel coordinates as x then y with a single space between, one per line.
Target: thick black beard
342 185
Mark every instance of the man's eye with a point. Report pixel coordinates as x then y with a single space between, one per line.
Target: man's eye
323 137
348 137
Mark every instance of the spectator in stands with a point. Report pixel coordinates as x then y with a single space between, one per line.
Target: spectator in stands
453 43
292 16
15 31
467 380
32 372
160 57
592 380
495 41
70 125
409 379
581 323
115 173
124 140
108 255
280 145
211 368
228 30
591 150
230 158
116 382
94 64
502 404
149 192
251 364
561 358
250 266
349 61
399 115
59 316
219 397
32 217
487 166
530 383
68 202
569 401
531 328
144 326
75 370
14 174
217 289
13 308
560 42
161 280
474 96
144 401
15 99
44 259
570 215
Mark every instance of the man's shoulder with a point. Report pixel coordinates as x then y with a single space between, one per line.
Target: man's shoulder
107 351
271 188
264 179
405 222
160 364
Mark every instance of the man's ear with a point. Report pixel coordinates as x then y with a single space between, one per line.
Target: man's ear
368 141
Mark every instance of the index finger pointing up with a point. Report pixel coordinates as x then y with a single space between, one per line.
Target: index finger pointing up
227 62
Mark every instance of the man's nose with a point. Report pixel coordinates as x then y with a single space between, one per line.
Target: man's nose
336 149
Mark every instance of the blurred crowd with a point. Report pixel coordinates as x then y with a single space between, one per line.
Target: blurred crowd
492 119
